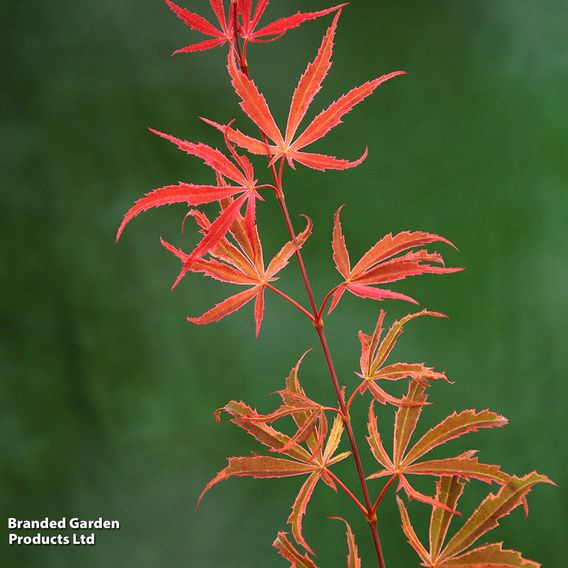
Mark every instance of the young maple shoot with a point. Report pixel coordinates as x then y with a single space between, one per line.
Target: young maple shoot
230 250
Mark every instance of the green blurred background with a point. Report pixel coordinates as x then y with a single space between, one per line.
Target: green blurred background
107 393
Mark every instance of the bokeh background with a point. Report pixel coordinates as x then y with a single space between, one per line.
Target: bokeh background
107 393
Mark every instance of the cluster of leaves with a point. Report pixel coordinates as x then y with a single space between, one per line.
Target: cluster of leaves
240 263
318 453
310 452
289 145
229 250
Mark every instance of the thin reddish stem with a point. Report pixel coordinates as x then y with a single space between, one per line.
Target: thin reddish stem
383 492
370 514
291 301
299 258
318 324
347 491
241 54
352 397
326 300
268 186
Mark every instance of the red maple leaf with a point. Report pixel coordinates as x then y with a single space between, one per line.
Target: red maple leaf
242 193
238 263
299 460
247 23
405 462
290 145
383 263
375 350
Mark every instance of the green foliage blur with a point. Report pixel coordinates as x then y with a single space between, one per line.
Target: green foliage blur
108 393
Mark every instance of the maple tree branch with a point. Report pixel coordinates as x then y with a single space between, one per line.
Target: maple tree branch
370 515
347 491
394 257
318 324
291 301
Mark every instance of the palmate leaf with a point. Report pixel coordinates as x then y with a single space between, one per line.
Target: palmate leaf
375 349
312 461
404 462
233 264
381 265
290 146
485 518
310 420
223 30
232 197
